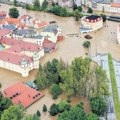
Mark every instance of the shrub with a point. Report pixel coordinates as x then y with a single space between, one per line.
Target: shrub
38 113
55 90
54 110
90 10
44 108
86 44
64 106
98 105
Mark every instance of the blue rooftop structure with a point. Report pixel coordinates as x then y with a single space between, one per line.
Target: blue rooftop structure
10 27
50 28
24 32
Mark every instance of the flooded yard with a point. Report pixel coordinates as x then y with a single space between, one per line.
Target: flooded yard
103 41
48 101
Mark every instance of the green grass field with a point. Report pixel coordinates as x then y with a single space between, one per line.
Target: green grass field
114 87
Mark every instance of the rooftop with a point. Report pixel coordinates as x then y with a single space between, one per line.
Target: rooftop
19 45
93 17
22 94
4 32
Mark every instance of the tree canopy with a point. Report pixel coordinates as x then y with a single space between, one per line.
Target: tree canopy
13 12
13 113
98 105
75 113
36 5
44 4
90 10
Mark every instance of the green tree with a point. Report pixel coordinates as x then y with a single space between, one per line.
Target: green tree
44 4
29 117
44 108
63 12
103 17
102 82
36 5
67 85
51 70
54 109
90 10
77 15
27 6
64 106
98 105
55 90
92 116
15 2
5 103
84 78
13 113
74 6
56 10
80 8
41 79
86 44
35 117
13 12
75 113
38 113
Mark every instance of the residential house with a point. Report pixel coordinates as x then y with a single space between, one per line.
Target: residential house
51 32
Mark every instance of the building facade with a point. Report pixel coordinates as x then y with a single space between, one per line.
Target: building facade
102 5
91 23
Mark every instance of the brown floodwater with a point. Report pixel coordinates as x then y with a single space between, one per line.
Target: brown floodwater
103 41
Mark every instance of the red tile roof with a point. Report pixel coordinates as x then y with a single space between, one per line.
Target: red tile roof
12 20
19 45
3 14
12 57
4 32
13 54
23 94
115 5
49 44
42 24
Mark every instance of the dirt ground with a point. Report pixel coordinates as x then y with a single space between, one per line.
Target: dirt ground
104 41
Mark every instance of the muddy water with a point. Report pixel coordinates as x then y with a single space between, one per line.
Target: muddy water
47 99
103 41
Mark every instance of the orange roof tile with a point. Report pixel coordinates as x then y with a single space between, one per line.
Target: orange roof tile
42 24
23 94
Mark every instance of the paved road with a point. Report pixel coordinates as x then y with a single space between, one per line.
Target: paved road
102 60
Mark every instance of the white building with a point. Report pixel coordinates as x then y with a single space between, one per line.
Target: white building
118 34
20 56
103 5
51 33
91 23
65 3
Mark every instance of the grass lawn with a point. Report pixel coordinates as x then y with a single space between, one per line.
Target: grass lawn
114 87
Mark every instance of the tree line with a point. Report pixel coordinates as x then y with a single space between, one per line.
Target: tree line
83 77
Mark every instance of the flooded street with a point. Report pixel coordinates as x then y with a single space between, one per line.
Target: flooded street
48 101
103 41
